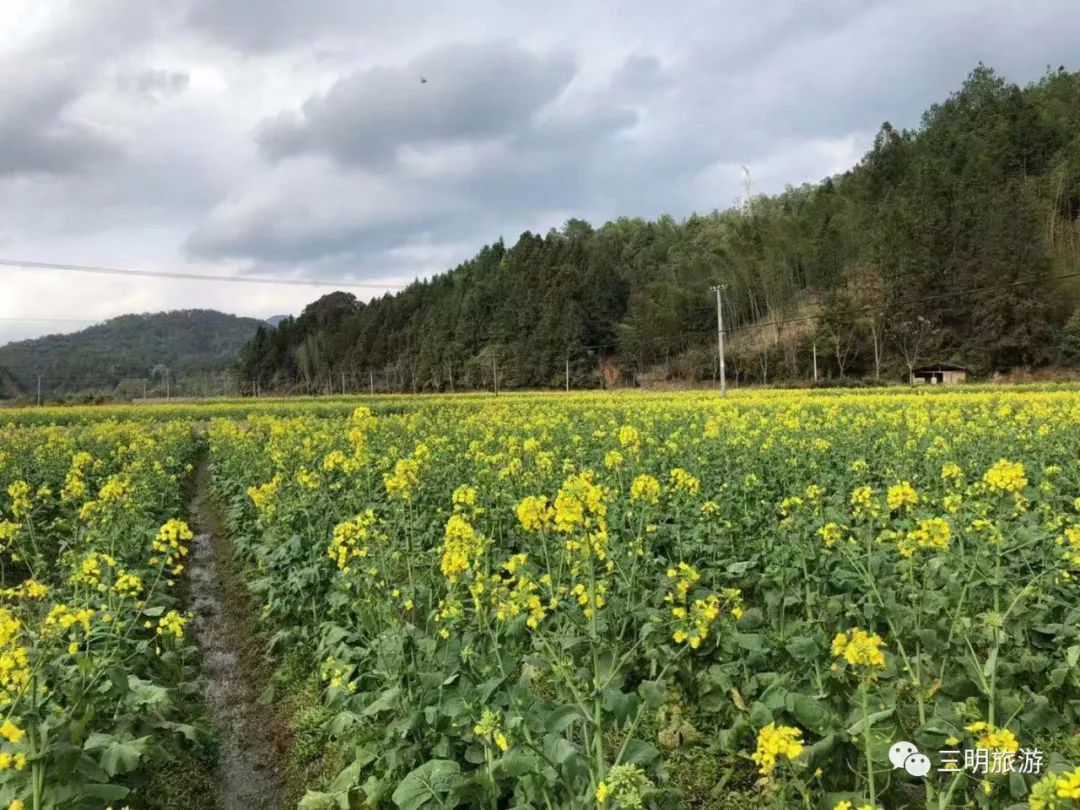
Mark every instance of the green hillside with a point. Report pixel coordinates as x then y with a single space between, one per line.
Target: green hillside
189 343
955 241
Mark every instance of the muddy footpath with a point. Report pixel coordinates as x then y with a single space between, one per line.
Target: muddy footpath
234 671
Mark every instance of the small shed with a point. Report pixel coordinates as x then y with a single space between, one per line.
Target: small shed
938 374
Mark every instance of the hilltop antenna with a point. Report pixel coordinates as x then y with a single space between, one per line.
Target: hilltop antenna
747 192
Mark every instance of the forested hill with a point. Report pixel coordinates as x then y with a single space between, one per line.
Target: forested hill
129 348
945 243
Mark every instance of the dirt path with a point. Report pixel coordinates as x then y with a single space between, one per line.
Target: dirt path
232 673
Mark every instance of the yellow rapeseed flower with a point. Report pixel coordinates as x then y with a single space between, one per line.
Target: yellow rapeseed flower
1006 476
11 732
774 742
534 513
901 497
645 488
993 738
684 482
1056 791
860 649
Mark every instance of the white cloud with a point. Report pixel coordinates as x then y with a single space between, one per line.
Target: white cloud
268 136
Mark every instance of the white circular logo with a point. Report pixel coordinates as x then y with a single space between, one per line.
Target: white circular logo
900 752
917 764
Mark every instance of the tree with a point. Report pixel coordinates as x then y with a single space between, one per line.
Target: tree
912 337
869 296
838 327
1070 340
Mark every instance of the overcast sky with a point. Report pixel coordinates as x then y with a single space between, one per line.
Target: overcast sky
295 137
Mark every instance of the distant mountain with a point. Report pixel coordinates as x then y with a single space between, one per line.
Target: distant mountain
274 320
192 343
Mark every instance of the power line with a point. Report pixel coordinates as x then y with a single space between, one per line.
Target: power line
116 271
49 320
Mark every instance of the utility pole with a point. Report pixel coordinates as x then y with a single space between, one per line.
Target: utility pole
144 388
719 288
167 391
494 374
568 374
815 361
343 383
39 390
450 369
371 380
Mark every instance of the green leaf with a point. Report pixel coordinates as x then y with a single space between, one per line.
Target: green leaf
819 753
351 774
189 732
117 756
375 789
751 619
318 801
488 687
561 718
653 693
621 705
640 753
869 721
343 721
519 761
429 783
811 714
1042 718
754 642
760 715
119 678
334 634
1017 786
146 695
108 793
1072 656
384 702
803 648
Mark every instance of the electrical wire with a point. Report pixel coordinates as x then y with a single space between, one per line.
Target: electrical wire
116 271
48 320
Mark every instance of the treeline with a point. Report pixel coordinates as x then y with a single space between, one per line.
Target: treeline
958 241
179 353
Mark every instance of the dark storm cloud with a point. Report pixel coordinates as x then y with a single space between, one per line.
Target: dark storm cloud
46 76
153 85
38 133
640 73
307 212
472 92
276 236
265 25
490 138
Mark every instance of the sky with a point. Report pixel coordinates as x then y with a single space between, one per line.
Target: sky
381 141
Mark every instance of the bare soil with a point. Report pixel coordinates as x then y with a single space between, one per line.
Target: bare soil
234 672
